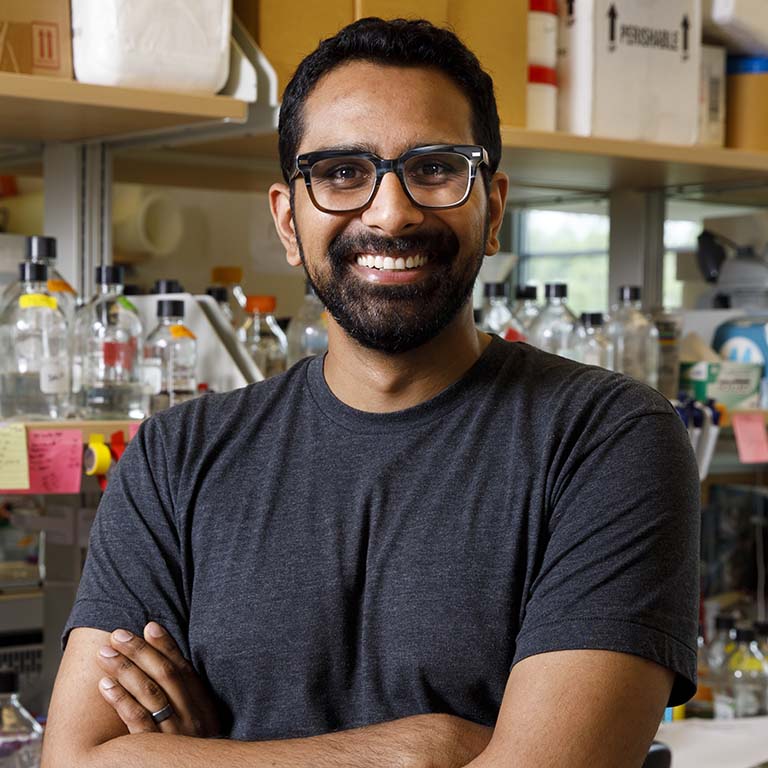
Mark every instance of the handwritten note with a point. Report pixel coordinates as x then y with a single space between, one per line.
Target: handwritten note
14 466
751 437
55 460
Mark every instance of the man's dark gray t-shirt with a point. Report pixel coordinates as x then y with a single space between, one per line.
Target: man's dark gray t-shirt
326 568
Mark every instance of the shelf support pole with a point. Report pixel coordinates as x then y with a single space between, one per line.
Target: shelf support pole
78 211
636 244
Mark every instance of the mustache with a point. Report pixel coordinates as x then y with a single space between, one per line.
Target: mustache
438 245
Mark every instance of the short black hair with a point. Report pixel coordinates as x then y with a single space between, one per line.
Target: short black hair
395 42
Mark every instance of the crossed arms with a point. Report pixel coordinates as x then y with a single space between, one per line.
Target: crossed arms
580 709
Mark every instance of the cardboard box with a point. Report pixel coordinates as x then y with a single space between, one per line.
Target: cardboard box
288 30
712 97
434 10
36 37
630 70
735 385
495 30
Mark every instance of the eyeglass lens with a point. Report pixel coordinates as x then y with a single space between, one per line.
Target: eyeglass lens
436 180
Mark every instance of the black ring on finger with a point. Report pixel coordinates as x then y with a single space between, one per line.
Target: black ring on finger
163 714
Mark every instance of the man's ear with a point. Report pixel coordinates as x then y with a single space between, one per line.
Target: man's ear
280 206
497 200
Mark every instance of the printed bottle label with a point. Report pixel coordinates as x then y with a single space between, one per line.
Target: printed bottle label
54 378
151 375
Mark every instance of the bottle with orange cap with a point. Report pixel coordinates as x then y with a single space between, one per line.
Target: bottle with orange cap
170 358
263 337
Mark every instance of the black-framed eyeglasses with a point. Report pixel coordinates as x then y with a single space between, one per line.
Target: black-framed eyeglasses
437 176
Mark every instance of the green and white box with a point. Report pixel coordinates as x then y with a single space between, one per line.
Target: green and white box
735 385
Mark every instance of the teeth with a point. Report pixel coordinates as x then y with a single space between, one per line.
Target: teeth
387 262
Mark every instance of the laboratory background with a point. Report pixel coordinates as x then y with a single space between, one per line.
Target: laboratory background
140 268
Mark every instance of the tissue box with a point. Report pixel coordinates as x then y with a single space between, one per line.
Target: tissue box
35 37
735 385
630 70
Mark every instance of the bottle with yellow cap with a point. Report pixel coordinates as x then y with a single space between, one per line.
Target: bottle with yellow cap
263 337
34 354
42 250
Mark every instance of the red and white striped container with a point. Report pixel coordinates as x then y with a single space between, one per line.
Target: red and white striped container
542 98
542 33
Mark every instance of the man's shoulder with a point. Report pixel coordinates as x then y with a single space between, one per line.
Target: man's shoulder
230 412
557 396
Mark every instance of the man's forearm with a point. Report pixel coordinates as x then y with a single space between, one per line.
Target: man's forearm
422 741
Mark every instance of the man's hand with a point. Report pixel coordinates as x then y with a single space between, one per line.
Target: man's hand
147 675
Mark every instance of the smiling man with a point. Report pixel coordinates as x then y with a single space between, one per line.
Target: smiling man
429 547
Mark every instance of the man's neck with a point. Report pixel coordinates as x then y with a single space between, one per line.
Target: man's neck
376 382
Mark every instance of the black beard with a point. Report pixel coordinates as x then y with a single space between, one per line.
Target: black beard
395 318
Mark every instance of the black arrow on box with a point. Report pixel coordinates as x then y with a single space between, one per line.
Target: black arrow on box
686 28
612 16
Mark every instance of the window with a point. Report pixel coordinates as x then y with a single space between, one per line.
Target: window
572 247
567 247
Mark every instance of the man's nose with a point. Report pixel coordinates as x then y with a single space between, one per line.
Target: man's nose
391 210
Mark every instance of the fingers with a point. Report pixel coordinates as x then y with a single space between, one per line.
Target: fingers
145 675
204 719
136 717
160 640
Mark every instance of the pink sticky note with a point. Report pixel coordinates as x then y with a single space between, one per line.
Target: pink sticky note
55 460
133 429
751 437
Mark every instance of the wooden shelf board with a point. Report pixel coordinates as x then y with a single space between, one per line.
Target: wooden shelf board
34 108
576 163
539 164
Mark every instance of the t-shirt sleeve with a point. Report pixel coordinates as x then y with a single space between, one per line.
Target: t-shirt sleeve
620 569
133 572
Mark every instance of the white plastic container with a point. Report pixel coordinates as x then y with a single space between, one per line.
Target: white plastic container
542 33
541 106
178 45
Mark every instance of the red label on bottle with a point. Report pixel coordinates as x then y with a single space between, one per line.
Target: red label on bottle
514 335
119 354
